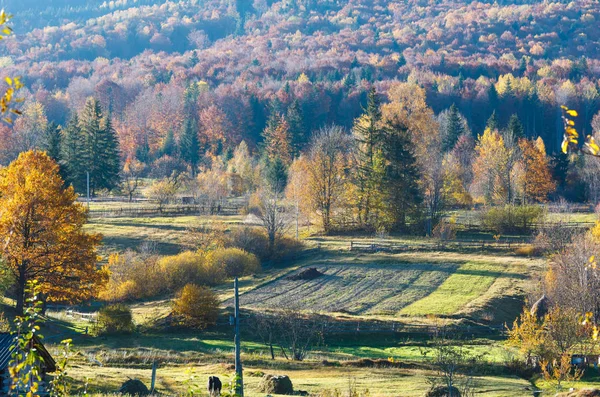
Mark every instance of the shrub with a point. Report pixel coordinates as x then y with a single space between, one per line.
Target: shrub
234 262
196 306
255 241
250 240
132 276
115 319
286 247
189 267
512 218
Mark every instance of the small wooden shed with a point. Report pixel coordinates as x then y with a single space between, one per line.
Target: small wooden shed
7 347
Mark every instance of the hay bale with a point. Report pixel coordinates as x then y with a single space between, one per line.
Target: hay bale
308 274
134 387
442 391
276 384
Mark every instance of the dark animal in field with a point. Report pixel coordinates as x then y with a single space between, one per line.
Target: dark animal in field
214 386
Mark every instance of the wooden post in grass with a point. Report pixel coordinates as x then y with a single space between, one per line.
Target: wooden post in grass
239 376
153 382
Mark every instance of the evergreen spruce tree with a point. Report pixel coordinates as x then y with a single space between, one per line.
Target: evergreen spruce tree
492 122
402 197
276 174
515 128
100 151
368 136
71 155
52 141
109 156
189 145
493 96
454 129
142 152
169 146
297 130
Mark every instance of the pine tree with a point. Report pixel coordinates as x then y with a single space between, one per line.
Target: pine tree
71 155
454 129
368 135
189 145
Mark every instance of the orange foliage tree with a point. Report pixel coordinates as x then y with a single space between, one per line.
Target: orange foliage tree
41 231
536 181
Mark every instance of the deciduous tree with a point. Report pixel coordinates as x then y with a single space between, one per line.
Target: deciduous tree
41 226
536 179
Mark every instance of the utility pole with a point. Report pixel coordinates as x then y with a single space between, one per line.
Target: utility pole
88 189
239 376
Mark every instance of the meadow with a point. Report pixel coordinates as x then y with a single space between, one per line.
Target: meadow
382 304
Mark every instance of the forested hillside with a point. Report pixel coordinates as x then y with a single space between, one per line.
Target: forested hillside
232 64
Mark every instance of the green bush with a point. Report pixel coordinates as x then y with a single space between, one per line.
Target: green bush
234 262
512 218
196 307
115 319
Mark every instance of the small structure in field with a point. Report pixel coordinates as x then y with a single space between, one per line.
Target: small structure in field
7 347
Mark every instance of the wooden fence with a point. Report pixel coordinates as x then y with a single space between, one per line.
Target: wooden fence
169 211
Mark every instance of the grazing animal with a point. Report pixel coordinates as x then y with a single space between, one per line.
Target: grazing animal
214 386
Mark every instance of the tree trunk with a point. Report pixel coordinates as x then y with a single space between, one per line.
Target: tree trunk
21 282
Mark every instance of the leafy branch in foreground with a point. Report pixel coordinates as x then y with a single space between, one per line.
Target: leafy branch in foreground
14 84
25 363
571 136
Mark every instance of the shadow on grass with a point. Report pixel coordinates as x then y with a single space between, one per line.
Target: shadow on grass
123 243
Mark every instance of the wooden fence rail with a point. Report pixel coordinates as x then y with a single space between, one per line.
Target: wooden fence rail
166 212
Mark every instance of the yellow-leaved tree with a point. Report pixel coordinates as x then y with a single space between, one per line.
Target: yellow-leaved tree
41 232
536 180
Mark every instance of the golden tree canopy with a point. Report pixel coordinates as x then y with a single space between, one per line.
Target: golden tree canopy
41 232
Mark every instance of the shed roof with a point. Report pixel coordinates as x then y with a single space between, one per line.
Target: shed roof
7 346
